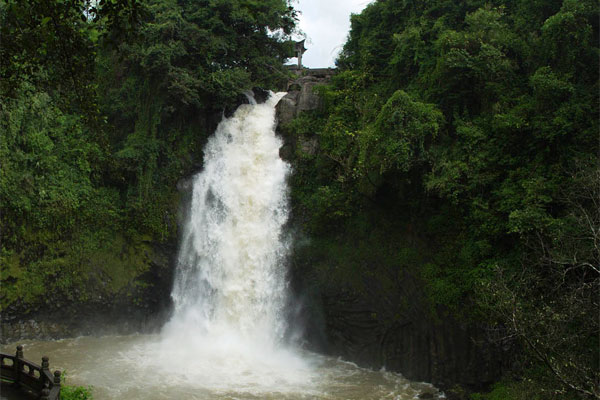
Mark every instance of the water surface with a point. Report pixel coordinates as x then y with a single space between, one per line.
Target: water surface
134 367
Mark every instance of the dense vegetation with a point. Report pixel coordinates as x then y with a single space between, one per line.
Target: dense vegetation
104 107
460 142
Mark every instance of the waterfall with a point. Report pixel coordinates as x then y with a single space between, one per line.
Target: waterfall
230 284
230 273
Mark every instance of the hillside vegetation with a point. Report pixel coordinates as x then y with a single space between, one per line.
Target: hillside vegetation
102 110
460 142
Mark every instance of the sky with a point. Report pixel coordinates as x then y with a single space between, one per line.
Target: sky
326 24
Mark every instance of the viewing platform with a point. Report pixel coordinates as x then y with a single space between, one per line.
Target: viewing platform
22 378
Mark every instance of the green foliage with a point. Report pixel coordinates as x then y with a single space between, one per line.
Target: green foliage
49 43
477 124
103 108
533 386
397 138
68 392
186 62
76 393
46 164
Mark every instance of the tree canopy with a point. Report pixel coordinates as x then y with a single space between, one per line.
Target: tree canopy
104 106
474 126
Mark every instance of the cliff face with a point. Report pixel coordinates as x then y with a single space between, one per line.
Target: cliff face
300 98
389 322
393 328
141 306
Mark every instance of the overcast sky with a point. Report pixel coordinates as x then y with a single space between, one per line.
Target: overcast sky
326 24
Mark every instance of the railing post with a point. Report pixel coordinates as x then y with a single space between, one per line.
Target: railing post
18 365
45 386
44 376
57 382
45 363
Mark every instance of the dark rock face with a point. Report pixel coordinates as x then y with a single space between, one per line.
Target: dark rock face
230 110
286 108
395 327
260 95
382 327
301 97
143 308
437 349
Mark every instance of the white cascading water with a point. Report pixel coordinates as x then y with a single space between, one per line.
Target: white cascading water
230 274
230 284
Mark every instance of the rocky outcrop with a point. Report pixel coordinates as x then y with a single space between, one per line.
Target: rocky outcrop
409 339
301 97
393 326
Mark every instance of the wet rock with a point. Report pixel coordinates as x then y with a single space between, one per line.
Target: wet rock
230 110
260 95
286 152
301 97
287 108
403 336
308 99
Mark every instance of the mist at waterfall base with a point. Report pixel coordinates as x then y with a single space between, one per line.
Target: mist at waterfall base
228 337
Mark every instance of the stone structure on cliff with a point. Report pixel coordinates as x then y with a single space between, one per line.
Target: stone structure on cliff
299 49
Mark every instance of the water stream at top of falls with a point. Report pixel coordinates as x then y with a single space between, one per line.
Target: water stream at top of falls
226 338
